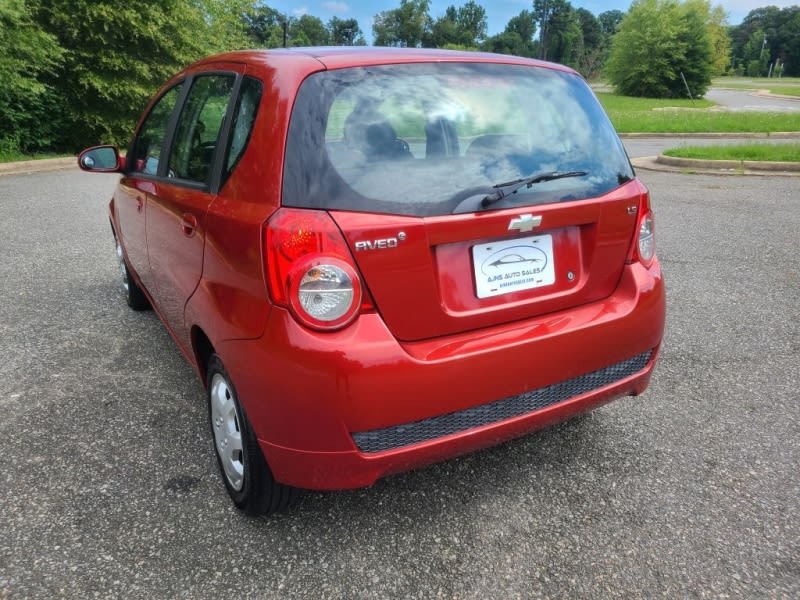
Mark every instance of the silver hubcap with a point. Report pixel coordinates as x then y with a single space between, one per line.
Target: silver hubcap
227 434
122 269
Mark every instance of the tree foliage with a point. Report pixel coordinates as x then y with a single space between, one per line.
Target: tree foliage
609 21
345 32
116 55
27 53
464 27
657 41
720 40
517 38
405 26
559 30
768 36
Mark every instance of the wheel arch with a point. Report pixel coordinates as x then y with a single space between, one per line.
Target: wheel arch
203 349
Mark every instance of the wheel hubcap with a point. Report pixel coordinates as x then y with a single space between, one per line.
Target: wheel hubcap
122 269
227 434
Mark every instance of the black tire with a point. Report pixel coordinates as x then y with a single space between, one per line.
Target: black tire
134 295
245 473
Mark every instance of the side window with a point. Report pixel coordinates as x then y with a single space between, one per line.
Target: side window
199 126
150 139
243 119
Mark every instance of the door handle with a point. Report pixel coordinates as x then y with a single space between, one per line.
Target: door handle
139 203
188 224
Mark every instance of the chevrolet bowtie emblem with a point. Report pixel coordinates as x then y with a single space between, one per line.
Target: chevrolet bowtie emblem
525 223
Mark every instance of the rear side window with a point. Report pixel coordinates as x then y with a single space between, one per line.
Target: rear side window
413 139
199 127
243 118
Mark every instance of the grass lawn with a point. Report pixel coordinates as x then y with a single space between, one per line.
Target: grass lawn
787 91
777 152
627 103
632 115
13 156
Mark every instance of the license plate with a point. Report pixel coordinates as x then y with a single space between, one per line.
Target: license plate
513 265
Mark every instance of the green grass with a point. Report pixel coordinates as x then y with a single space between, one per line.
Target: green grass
787 91
772 152
638 115
14 156
704 122
627 103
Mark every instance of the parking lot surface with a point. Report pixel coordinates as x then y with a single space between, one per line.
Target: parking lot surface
109 486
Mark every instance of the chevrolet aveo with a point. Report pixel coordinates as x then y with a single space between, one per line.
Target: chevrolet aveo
376 258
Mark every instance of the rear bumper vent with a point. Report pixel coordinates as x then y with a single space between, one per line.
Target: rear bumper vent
398 436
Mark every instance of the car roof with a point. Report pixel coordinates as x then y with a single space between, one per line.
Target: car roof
336 57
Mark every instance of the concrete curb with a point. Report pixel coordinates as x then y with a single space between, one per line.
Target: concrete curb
752 165
671 164
38 166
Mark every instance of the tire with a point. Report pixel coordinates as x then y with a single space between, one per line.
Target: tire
134 295
245 472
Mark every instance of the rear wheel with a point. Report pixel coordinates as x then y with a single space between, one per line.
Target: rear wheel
134 295
246 475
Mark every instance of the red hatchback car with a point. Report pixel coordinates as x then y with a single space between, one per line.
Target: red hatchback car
379 258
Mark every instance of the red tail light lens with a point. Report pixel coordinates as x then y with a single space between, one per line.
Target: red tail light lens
643 247
309 269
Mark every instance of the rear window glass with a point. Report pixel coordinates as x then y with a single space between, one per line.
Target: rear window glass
432 139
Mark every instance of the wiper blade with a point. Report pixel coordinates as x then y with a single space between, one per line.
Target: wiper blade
512 187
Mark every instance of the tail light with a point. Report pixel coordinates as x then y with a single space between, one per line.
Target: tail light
310 271
643 248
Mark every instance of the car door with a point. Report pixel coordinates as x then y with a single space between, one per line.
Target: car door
140 181
176 211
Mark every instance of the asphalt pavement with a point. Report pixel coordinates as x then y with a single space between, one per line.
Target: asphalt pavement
749 101
109 486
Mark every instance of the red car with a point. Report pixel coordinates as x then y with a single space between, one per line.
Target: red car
379 258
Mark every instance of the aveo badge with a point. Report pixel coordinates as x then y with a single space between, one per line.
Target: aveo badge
513 265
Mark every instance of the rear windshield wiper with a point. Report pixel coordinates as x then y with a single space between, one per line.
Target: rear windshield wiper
512 187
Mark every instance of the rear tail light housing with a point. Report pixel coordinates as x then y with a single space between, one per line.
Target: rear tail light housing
643 247
647 239
309 270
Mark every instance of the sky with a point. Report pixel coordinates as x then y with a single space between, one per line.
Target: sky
498 12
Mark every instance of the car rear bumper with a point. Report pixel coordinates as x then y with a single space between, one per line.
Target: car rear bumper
340 410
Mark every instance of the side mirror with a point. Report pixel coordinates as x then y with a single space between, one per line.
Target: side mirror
101 159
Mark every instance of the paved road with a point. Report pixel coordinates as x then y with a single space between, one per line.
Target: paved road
745 100
109 485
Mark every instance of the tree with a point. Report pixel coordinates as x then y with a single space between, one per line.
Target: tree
471 20
517 38
26 53
696 41
609 21
592 49
116 55
405 26
656 42
720 40
265 26
310 30
524 25
559 32
345 32
464 27
779 42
